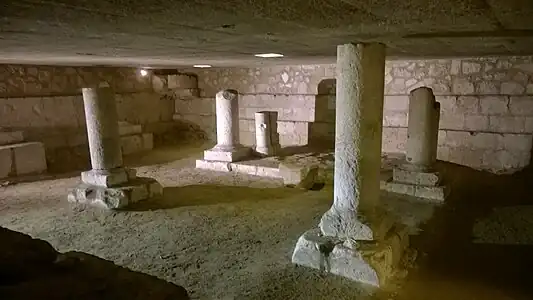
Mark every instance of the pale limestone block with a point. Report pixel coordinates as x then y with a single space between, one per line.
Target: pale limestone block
443 153
182 81
447 104
441 137
471 67
29 158
6 162
452 121
397 86
219 166
494 105
507 124
455 67
247 138
518 142
487 88
298 176
528 125
10 137
435 193
483 140
395 119
528 67
467 105
511 88
521 105
457 138
476 123
396 103
106 178
462 86
402 175
125 128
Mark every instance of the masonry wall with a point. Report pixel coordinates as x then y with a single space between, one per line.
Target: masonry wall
46 104
486 117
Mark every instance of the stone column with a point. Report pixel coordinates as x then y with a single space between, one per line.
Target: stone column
354 216
422 132
358 129
228 148
108 184
266 133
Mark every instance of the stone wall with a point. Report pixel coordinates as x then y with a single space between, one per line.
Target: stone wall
46 104
486 117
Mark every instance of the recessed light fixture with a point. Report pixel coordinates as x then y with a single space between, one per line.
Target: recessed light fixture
269 55
143 72
202 66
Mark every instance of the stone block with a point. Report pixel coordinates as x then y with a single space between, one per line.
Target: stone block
125 128
396 103
219 166
136 143
182 81
106 178
299 176
6 162
521 106
435 193
476 123
398 188
507 124
29 158
462 86
10 137
116 197
452 121
402 175
191 93
395 119
512 88
236 154
467 105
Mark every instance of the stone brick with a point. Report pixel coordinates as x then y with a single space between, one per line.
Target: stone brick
414 177
476 123
471 67
395 119
519 142
10 137
29 158
494 105
6 162
452 121
455 67
457 138
396 103
521 105
443 153
512 88
467 105
462 86
483 140
528 125
487 88
507 124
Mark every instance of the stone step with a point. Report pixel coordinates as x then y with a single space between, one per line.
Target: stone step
22 159
11 137
432 193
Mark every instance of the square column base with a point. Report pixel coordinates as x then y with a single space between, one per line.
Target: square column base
229 155
367 262
108 178
427 185
138 189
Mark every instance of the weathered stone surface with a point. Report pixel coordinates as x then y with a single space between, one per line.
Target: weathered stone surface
107 178
29 158
10 137
33 269
116 197
227 155
299 176
432 193
402 175
6 162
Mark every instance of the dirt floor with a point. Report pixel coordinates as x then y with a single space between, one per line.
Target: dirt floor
228 236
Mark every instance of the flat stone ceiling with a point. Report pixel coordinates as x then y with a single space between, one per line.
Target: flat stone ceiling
228 32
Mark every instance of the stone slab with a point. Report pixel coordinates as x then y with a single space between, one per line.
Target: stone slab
11 137
108 178
29 158
125 128
432 193
372 263
240 167
416 177
299 176
235 154
117 197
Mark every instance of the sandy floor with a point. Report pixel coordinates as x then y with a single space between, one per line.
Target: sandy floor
226 236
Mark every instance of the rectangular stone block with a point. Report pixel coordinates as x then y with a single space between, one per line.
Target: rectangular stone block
29 158
414 177
227 156
521 105
398 188
219 166
105 178
435 193
494 105
396 103
6 162
11 137
125 128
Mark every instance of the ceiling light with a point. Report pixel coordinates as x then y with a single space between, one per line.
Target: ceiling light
269 55
202 66
143 72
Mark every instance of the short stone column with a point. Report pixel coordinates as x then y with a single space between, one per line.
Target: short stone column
418 176
108 184
266 133
228 148
354 215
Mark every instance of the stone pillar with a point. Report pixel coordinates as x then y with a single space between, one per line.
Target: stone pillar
108 184
266 133
422 132
228 148
354 215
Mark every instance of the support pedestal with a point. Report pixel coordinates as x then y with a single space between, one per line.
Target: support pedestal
426 184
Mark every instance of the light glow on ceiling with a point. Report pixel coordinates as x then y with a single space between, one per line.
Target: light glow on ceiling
143 72
269 55
202 66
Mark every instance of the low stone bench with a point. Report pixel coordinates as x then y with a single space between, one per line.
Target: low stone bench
19 158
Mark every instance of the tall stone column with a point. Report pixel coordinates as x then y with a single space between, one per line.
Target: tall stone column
354 215
108 184
422 132
228 148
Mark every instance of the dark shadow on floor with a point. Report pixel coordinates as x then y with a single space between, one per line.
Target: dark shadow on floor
198 195
450 265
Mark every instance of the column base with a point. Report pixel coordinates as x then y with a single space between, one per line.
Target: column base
116 197
418 183
227 154
372 263
108 178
